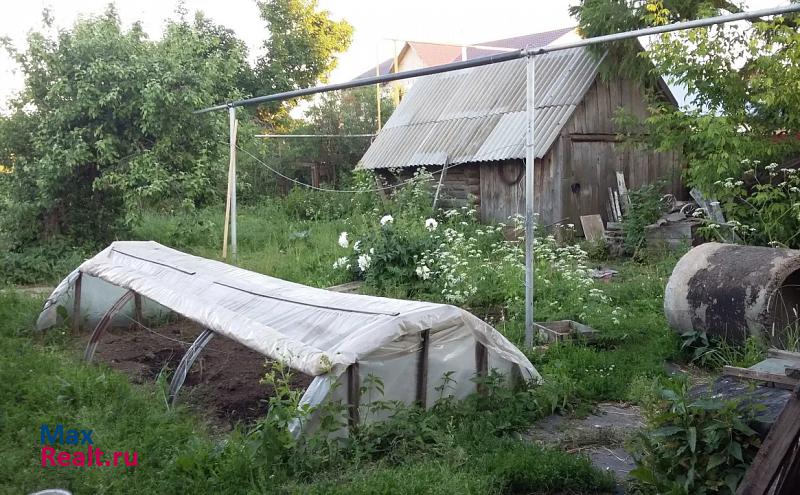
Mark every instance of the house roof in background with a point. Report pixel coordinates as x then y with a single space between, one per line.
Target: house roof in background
478 114
385 68
433 54
439 53
534 40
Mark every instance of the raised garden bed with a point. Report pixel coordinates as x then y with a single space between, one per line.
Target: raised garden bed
558 331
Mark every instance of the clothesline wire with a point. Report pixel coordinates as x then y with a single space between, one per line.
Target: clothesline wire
349 191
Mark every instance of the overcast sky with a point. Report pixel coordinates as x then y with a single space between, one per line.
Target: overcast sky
374 21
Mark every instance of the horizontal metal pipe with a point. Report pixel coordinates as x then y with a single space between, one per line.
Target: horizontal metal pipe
312 135
667 28
368 81
504 57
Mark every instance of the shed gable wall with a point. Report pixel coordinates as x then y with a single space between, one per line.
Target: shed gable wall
592 153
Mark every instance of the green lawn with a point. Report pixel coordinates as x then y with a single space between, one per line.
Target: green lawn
465 448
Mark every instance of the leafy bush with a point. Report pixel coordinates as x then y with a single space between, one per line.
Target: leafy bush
40 263
763 207
700 446
452 258
645 208
308 204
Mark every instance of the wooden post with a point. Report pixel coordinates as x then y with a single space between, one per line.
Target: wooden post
353 395
422 369
76 305
234 218
138 313
230 201
315 174
481 364
439 186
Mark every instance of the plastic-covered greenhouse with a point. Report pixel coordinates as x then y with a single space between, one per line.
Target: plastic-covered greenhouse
337 338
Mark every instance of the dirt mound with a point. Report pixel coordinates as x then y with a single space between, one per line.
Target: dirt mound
223 382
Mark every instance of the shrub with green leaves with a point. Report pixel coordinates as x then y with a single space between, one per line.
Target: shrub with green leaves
695 446
644 209
762 207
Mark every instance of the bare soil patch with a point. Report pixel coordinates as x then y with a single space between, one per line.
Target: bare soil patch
224 383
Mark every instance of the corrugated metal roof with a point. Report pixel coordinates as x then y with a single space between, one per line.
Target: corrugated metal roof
478 114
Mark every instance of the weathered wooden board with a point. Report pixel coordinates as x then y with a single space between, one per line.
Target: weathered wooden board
761 376
592 227
779 447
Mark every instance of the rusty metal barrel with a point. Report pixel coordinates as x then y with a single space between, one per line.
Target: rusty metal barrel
733 291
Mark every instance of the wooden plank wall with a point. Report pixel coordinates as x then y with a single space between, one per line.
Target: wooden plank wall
574 177
592 153
461 186
502 197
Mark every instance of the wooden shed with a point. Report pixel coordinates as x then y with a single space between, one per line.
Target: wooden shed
472 124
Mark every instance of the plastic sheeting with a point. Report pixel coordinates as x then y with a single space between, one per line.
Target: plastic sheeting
315 331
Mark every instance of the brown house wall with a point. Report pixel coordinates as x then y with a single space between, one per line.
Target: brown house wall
592 154
573 178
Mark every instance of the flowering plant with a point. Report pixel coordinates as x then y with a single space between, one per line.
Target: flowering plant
457 260
762 207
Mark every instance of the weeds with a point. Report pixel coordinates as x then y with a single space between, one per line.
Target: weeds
697 446
714 353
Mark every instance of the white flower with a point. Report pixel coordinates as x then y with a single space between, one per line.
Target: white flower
340 263
431 224
343 242
387 219
423 272
357 246
364 261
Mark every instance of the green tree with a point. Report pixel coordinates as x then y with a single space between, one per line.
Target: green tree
300 52
104 125
104 122
744 110
347 112
353 111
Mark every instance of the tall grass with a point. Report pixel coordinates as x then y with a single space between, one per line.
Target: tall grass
455 448
270 240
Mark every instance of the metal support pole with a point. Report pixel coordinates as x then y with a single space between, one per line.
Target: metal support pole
104 323
233 128
530 159
378 86
186 363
